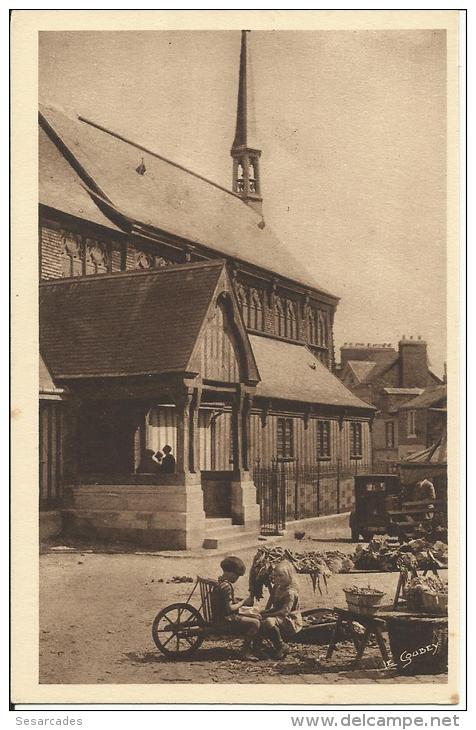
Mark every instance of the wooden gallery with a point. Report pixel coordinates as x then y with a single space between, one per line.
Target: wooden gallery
171 315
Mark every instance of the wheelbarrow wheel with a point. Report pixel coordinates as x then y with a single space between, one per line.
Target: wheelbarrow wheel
177 630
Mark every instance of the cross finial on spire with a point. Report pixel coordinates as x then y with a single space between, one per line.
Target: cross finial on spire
245 153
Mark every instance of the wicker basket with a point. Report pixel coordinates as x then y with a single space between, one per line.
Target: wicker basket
410 637
435 603
363 603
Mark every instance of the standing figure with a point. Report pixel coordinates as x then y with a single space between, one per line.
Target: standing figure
282 616
168 461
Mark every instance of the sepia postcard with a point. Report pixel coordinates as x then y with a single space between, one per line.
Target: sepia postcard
235 357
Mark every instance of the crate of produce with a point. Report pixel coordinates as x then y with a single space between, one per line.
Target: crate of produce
318 626
363 600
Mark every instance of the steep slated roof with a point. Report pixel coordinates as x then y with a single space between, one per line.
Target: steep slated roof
170 198
361 368
125 324
61 188
381 369
292 372
430 397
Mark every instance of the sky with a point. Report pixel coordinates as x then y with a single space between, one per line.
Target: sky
352 127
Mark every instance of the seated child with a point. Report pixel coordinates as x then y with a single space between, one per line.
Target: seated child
225 607
282 618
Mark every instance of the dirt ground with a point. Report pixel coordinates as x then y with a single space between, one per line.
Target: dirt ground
96 613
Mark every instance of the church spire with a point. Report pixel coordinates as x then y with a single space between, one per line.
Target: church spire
244 151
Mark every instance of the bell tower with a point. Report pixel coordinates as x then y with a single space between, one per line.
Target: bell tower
245 151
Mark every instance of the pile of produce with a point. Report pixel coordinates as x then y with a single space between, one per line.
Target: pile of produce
317 565
363 591
313 619
418 588
382 554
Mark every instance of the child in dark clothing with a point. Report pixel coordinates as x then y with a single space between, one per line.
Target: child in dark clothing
226 608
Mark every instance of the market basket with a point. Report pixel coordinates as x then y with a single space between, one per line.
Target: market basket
365 603
435 603
419 644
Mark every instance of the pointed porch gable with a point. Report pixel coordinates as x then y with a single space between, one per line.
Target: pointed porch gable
223 353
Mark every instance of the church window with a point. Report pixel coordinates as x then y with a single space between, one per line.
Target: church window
72 255
279 318
291 321
312 327
96 257
256 310
242 295
322 330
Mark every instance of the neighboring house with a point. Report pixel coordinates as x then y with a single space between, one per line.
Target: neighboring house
388 378
171 314
422 420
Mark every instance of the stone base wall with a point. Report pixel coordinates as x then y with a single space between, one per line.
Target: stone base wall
157 516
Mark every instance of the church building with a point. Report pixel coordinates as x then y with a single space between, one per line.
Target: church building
172 315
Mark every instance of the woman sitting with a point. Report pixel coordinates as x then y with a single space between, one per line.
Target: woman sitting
281 619
226 609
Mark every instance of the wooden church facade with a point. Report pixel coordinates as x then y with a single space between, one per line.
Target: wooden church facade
170 314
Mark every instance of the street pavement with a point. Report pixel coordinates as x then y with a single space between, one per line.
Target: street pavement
96 613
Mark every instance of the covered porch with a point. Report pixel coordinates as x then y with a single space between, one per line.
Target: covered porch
128 402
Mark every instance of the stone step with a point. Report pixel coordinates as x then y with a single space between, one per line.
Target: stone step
224 530
212 522
235 537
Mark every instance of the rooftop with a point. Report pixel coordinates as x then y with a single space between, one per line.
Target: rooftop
125 324
166 196
427 398
291 372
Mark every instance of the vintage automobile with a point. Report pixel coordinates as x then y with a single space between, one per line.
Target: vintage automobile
382 507
375 496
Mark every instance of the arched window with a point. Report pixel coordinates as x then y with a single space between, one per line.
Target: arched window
242 296
322 330
291 320
252 177
312 335
279 318
96 257
256 310
72 255
240 179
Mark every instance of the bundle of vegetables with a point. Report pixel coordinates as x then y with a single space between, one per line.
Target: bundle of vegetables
382 554
418 588
317 565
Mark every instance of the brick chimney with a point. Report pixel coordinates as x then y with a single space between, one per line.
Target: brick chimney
413 363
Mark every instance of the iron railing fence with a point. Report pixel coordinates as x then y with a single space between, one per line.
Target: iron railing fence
290 490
